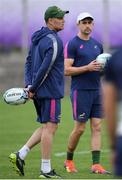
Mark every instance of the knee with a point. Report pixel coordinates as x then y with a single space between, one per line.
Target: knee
96 128
53 129
79 131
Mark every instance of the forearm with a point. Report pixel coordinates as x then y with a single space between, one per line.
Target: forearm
42 73
72 71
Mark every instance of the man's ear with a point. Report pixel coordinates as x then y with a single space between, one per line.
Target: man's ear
50 21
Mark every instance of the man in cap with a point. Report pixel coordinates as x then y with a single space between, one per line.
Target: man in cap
81 65
44 80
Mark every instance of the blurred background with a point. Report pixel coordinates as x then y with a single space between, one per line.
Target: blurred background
20 18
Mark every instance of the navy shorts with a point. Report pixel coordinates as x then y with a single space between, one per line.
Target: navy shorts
48 110
118 158
86 104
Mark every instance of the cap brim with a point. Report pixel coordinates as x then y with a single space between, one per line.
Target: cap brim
66 12
61 14
88 17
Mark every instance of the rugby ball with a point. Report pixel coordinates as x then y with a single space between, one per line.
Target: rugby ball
102 59
15 96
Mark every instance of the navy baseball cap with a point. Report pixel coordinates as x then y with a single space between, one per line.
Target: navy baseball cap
54 12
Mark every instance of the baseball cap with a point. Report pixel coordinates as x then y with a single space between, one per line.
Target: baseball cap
84 15
54 12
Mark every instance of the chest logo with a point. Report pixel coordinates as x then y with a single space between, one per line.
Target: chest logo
81 46
95 47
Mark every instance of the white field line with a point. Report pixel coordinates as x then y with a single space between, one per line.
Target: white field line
59 154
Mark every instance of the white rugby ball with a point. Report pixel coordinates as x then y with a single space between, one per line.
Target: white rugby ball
103 58
15 96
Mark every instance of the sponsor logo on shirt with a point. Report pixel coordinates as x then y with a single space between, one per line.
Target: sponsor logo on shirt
81 46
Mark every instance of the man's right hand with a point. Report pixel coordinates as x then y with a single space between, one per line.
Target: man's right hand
30 95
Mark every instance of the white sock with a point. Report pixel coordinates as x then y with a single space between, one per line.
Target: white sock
23 152
45 165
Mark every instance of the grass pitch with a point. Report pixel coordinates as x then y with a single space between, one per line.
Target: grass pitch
17 124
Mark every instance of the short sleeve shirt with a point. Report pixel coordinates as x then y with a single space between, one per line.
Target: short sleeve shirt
83 52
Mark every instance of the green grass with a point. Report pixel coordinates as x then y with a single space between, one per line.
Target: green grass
17 124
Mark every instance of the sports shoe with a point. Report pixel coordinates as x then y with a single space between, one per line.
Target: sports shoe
52 174
70 166
98 169
18 164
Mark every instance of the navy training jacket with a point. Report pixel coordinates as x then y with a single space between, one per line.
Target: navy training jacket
44 67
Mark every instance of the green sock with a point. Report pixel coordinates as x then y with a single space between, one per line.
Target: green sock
96 157
70 155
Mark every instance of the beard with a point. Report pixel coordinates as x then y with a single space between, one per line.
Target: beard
87 31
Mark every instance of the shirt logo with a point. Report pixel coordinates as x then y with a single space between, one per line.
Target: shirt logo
81 46
95 46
